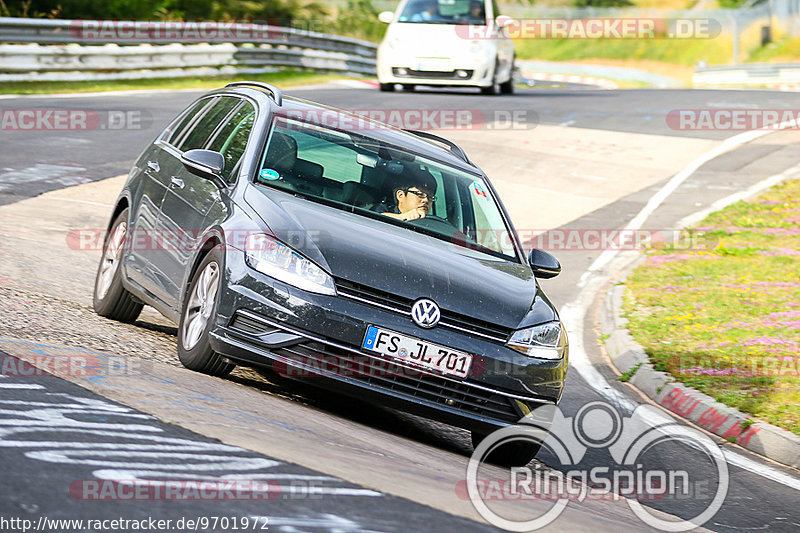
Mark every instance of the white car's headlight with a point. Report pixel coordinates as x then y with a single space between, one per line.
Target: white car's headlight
275 259
542 341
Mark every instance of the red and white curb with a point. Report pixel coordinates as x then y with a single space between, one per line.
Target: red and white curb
358 84
603 83
730 424
628 356
526 76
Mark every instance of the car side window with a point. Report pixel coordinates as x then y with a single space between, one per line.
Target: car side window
231 139
207 124
178 127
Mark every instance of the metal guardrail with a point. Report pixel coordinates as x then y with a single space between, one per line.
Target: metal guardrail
756 74
41 49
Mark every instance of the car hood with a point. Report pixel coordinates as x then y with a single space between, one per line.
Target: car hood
398 260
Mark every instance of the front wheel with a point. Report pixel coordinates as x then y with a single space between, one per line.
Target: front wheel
110 298
197 318
516 453
493 88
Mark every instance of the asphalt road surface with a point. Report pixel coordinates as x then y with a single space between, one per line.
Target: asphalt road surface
34 162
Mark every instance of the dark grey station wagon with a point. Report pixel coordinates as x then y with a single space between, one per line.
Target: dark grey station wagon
369 260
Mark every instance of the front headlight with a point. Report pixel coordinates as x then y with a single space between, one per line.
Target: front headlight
275 259
542 341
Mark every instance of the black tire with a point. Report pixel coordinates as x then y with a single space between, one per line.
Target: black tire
194 349
507 87
493 88
110 299
517 453
409 87
387 87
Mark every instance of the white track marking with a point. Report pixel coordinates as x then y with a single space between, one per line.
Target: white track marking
657 199
596 277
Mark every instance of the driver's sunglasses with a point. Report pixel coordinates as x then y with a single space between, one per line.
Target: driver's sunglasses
421 195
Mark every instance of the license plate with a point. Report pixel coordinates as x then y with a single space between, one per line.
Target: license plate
420 353
435 65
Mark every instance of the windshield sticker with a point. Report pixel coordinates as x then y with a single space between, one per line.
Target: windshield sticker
270 174
479 190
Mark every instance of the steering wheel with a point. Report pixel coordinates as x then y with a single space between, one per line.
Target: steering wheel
435 223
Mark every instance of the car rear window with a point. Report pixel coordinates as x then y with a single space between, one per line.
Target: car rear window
207 124
231 139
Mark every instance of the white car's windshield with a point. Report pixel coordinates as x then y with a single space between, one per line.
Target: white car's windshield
444 12
360 174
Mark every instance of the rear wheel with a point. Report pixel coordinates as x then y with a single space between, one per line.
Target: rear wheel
507 87
197 318
408 87
516 453
387 87
110 298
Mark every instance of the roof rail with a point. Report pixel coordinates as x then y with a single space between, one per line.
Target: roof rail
276 93
453 147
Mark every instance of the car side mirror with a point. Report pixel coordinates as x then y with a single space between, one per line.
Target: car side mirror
502 21
386 16
205 163
544 265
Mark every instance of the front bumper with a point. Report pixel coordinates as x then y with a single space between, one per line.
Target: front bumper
452 72
318 338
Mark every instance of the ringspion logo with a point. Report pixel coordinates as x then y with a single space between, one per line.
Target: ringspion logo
628 442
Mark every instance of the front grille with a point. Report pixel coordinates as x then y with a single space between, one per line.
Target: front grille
386 300
383 374
431 74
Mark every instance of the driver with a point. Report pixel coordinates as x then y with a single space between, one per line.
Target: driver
411 199
426 10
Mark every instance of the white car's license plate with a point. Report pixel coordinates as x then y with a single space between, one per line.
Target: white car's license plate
416 351
434 64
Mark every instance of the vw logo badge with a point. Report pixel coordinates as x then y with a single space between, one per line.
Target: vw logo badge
425 313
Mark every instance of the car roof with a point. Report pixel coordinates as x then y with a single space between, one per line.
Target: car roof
293 106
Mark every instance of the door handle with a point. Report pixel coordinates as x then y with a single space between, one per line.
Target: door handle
176 182
152 165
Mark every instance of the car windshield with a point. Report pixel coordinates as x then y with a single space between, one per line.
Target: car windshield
444 12
357 173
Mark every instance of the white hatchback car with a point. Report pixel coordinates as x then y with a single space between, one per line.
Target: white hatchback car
446 43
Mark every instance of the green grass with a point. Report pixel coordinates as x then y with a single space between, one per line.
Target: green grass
783 49
723 316
626 376
284 78
683 52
